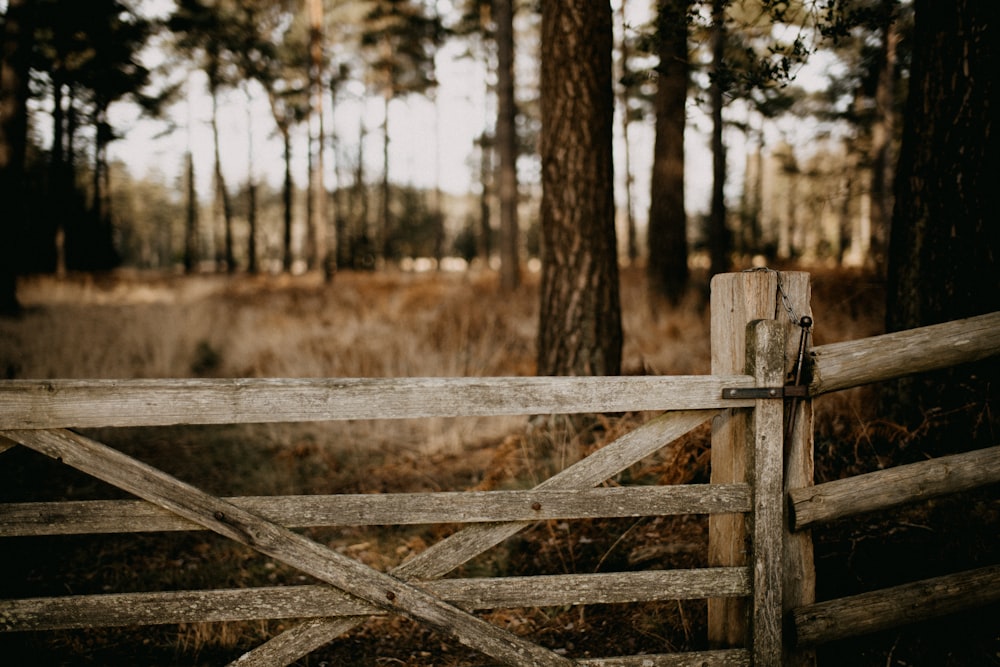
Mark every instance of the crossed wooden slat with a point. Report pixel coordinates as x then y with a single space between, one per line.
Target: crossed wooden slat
397 592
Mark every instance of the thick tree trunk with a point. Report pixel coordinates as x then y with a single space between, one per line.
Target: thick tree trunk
667 235
580 329
943 262
510 262
16 44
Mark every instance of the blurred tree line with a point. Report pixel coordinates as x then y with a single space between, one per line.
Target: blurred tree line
894 183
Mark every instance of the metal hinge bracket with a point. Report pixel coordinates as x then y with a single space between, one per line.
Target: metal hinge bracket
790 391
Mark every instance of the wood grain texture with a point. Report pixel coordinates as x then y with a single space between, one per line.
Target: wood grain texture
469 542
383 591
854 363
131 516
903 484
100 403
285 602
737 299
765 358
856 615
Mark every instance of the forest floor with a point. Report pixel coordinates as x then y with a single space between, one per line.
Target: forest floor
138 325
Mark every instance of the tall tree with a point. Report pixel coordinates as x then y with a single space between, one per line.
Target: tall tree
15 60
506 142
718 233
944 244
580 329
401 39
316 219
282 67
204 31
667 266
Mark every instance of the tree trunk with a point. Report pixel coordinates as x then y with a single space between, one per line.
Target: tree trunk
883 129
16 45
191 224
943 262
718 235
251 195
667 267
221 191
317 188
385 223
510 263
580 325
632 243
286 196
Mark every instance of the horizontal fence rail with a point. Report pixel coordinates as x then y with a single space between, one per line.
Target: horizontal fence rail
829 621
896 486
134 516
851 364
37 404
323 601
855 363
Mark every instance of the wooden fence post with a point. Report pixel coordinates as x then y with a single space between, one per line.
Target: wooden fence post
765 348
738 299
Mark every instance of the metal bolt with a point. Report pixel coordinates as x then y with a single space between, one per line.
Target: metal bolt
536 506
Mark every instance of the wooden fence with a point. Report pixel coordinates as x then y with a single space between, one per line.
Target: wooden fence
760 570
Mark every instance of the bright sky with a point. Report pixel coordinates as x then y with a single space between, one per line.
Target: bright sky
428 141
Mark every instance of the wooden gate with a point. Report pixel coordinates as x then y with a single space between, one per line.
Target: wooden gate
39 414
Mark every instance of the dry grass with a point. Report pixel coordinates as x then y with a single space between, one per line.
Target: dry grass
365 325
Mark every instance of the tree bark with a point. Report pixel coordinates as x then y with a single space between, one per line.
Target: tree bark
945 240
191 222
667 234
883 130
510 263
16 44
718 235
580 325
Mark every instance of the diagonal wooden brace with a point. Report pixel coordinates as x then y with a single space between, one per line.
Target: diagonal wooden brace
468 543
347 574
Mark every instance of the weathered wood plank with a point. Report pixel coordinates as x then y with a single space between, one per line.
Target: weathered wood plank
737 299
383 591
893 607
903 484
854 363
724 658
98 403
132 516
765 359
283 602
468 543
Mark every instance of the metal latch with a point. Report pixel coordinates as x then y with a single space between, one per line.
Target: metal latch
788 391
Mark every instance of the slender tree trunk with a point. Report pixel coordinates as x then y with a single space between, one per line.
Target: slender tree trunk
287 197
221 191
883 130
251 195
943 261
667 267
191 225
510 262
385 223
484 247
718 234
317 189
632 243
580 316
15 59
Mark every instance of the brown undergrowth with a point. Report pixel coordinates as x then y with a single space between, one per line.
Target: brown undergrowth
398 324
